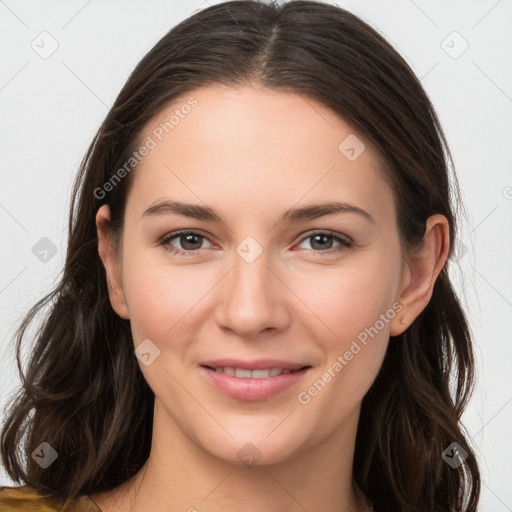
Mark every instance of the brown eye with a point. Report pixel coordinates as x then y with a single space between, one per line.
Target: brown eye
184 242
323 242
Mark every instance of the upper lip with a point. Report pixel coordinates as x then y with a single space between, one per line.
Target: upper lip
259 364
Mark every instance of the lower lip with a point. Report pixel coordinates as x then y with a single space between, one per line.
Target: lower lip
249 389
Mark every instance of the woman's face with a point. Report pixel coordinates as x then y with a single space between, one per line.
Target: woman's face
266 282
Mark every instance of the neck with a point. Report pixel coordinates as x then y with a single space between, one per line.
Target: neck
180 476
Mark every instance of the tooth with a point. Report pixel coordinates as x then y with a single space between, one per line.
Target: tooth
260 374
255 374
241 372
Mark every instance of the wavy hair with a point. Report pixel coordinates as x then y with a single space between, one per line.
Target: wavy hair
83 391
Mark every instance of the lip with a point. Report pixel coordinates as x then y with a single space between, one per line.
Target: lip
249 389
258 364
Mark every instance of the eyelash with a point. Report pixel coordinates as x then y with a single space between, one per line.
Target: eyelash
345 243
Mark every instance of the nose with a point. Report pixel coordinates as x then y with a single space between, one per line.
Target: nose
253 298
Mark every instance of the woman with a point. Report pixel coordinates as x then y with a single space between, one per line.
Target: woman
255 310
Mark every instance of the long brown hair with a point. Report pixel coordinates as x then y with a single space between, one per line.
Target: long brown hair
83 391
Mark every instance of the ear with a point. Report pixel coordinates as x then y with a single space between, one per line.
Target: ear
111 261
421 271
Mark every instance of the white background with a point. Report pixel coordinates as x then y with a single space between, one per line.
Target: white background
51 108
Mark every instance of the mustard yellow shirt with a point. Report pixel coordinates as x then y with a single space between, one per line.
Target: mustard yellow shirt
16 499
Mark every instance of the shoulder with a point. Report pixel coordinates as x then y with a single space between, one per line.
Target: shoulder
14 499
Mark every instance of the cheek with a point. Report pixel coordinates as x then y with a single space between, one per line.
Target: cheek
355 306
357 310
161 298
348 299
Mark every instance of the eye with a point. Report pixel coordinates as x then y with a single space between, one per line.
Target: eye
190 242
322 241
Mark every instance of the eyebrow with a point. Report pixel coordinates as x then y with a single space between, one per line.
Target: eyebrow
310 212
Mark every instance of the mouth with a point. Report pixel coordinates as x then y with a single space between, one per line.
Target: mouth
252 385
244 373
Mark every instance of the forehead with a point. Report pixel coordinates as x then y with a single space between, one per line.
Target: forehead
258 148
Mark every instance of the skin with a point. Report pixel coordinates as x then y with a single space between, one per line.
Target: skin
251 154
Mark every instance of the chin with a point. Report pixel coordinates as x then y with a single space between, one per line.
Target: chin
249 451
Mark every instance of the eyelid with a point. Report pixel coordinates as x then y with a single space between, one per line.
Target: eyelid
344 240
168 237
328 232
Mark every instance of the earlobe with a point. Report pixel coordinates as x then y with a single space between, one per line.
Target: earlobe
423 268
111 263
